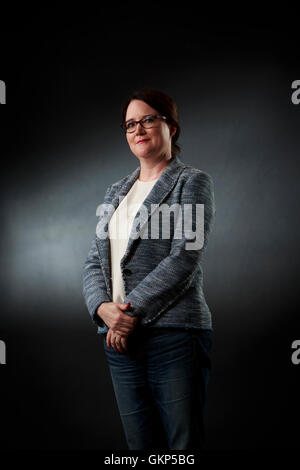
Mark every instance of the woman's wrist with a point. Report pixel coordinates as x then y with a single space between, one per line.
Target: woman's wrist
100 310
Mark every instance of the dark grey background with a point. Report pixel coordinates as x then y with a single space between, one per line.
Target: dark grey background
61 145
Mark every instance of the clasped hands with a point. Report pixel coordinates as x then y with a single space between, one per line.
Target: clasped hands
120 325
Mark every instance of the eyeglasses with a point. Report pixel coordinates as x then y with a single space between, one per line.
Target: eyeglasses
146 122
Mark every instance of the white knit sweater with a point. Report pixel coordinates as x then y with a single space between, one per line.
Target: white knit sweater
119 229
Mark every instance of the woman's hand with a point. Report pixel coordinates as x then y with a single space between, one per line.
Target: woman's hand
117 341
113 316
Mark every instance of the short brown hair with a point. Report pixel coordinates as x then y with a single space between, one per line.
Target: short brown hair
163 104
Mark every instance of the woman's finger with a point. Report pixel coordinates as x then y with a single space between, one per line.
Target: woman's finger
118 344
124 342
122 338
108 338
117 340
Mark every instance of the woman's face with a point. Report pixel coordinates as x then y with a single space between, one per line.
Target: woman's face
157 139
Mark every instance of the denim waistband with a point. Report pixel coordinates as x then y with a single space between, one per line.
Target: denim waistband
153 331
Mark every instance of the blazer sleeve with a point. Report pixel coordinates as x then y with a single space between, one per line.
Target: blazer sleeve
94 286
174 274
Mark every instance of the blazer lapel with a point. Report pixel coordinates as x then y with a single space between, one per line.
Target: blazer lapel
159 192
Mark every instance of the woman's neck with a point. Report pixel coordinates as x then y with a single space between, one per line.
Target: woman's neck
151 170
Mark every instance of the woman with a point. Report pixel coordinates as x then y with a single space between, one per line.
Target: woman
143 287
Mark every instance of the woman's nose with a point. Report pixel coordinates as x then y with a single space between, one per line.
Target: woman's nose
139 129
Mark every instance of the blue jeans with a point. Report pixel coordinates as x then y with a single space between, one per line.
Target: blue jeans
160 385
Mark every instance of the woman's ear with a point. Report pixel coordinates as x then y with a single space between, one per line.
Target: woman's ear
173 131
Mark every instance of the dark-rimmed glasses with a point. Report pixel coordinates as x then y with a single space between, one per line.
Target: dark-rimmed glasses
146 122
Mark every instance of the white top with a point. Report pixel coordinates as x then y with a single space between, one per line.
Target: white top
119 229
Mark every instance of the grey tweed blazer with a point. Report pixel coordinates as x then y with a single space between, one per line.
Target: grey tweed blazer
163 280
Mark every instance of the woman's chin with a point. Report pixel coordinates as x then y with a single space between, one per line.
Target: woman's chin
144 154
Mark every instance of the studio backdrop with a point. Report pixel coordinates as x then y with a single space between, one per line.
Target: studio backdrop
236 85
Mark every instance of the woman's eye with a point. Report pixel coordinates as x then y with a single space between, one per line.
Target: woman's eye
148 119
130 124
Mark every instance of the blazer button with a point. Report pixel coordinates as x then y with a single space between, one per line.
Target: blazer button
127 271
